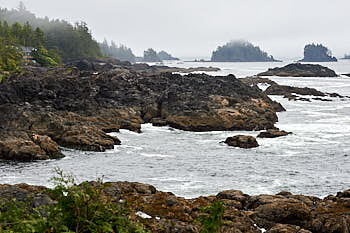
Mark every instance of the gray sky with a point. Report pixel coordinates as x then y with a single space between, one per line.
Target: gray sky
194 28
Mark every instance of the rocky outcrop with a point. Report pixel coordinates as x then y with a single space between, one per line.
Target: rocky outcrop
76 108
300 70
242 141
273 133
283 90
283 212
289 92
347 75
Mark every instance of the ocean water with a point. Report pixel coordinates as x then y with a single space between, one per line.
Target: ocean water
314 160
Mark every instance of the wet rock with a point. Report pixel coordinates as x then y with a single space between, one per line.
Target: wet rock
284 90
300 70
255 80
76 107
273 133
242 141
159 122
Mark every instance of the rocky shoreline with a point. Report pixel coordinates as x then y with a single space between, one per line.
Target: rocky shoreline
76 106
164 212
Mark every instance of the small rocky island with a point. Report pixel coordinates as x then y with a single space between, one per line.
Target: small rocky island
240 51
317 53
75 106
300 70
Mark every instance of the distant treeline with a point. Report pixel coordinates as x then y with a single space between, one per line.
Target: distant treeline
120 52
70 41
240 51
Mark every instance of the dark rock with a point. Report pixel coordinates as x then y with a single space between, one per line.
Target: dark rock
242 141
255 80
300 70
159 122
77 108
284 228
283 90
347 75
273 133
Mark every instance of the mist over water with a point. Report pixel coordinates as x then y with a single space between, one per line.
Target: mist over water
314 160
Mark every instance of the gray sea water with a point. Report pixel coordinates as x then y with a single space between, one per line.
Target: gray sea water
314 160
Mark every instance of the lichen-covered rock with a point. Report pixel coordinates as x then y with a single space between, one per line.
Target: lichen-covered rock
164 212
284 228
242 141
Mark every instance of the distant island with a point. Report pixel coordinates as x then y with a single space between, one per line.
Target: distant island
346 56
240 51
150 55
317 53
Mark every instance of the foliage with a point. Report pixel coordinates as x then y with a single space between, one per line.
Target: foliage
211 222
317 53
78 208
72 41
46 58
120 52
240 51
10 58
150 55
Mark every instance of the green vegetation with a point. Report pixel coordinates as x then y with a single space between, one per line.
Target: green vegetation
240 51
121 52
77 208
317 53
68 41
211 222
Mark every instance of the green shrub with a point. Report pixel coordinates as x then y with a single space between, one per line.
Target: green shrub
211 222
79 208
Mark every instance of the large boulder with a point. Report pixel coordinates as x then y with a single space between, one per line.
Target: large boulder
300 70
242 141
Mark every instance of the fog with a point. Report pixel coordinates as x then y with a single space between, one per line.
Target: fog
195 28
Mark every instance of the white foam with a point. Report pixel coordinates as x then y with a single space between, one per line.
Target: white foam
143 215
156 155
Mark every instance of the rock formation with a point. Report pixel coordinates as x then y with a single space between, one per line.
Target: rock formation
242 141
283 212
300 70
273 133
75 108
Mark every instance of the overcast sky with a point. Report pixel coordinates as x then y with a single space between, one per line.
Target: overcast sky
194 28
